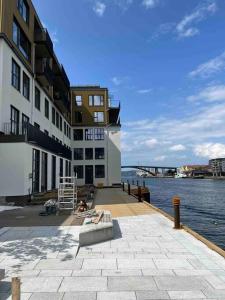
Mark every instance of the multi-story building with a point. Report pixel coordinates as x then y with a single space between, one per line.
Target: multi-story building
96 136
217 166
35 106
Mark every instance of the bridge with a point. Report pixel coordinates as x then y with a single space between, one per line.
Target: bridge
153 170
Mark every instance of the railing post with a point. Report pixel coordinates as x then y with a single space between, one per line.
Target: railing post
127 181
144 184
176 205
15 288
128 189
137 183
139 194
123 186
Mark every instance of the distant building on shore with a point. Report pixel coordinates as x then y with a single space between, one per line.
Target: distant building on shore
217 166
190 168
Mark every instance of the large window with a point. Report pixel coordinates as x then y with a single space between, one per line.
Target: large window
99 153
89 134
60 123
78 135
98 116
25 122
20 39
26 86
78 154
95 100
15 80
37 102
46 108
78 117
99 171
14 120
78 100
79 171
53 115
57 120
23 10
99 134
88 153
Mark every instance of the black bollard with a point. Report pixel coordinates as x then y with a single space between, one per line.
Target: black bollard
139 194
123 186
176 205
128 189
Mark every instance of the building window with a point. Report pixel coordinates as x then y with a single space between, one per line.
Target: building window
23 10
78 154
37 101
95 100
57 120
78 135
25 122
53 115
78 116
88 153
78 100
99 171
99 153
89 134
14 120
36 125
22 42
46 108
98 116
60 123
79 172
99 134
26 86
15 75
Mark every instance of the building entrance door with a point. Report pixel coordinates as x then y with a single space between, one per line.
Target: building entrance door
35 171
88 174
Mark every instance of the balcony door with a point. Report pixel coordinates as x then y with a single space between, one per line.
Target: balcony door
14 121
35 171
44 172
53 172
88 174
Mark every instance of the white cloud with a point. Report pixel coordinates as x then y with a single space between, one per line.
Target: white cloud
144 91
210 150
160 158
99 8
210 94
149 3
116 80
187 26
151 143
210 67
178 147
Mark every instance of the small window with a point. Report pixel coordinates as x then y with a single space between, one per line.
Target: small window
37 101
53 115
95 100
46 108
22 42
78 154
78 117
26 86
60 123
23 10
78 135
78 100
57 120
99 134
25 123
79 171
14 120
98 116
15 75
64 127
36 125
88 153
99 153
99 171
89 134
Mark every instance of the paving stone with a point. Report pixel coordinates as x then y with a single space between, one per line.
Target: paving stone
46 296
99 264
40 284
58 264
80 296
186 295
58 273
116 296
156 272
7 296
175 283
87 273
71 284
172 264
135 264
153 295
216 282
213 293
131 283
122 272
180 272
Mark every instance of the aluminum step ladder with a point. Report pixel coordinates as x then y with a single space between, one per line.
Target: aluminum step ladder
67 193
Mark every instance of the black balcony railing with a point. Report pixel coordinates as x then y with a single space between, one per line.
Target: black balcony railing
62 98
43 37
43 69
17 132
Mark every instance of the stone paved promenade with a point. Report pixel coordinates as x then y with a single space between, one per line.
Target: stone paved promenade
148 259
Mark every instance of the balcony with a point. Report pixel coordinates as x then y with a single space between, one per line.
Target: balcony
44 72
114 112
44 43
62 100
13 133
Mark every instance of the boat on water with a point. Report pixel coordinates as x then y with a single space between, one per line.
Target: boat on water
143 174
180 175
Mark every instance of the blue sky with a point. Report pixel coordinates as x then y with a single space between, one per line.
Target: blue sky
163 59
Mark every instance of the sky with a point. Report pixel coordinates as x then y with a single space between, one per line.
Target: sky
164 60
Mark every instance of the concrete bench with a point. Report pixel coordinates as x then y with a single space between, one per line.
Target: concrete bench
2 274
96 233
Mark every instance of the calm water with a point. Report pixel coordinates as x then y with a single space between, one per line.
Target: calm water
202 203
